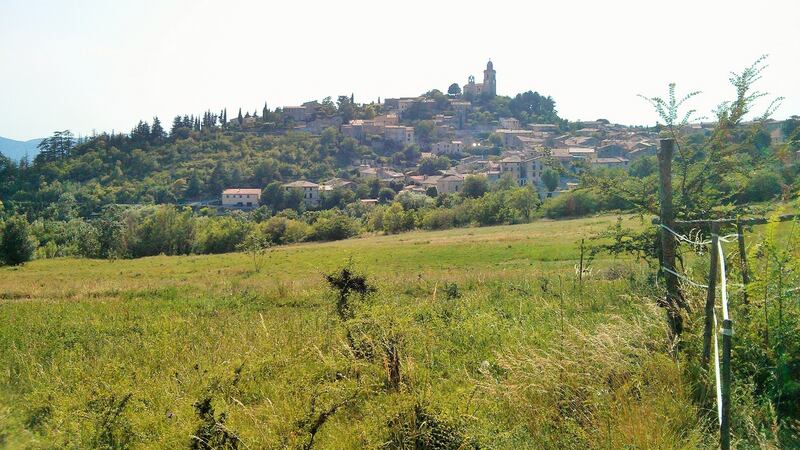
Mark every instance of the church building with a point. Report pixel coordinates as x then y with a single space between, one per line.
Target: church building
489 84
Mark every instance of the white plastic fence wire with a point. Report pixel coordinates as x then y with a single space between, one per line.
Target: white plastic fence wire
725 316
717 373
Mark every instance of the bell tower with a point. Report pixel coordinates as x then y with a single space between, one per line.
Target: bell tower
489 79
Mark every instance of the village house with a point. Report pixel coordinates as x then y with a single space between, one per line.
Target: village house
354 129
509 123
582 141
587 132
524 169
381 173
425 181
511 137
447 148
614 162
449 184
241 198
247 121
413 189
400 134
611 149
310 191
297 113
570 154
642 149
544 127
335 183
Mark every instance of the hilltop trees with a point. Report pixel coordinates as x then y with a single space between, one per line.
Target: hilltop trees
157 133
454 90
55 147
346 108
533 107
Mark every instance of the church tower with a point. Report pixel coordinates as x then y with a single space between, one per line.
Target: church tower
489 80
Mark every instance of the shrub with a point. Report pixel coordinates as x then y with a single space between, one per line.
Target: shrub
212 432
16 243
333 226
491 209
438 219
475 186
572 203
279 230
346 282
419 428
396 219
220 234
165 230
762 185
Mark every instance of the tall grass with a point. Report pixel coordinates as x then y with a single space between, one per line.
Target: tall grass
466 332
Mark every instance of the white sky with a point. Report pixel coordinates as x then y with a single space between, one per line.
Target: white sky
102 65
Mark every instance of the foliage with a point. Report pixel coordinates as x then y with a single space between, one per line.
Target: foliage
573 203
454 90
713 176
550 178
419 428
346 283
16 243
332 226
432 166
475 186
211 432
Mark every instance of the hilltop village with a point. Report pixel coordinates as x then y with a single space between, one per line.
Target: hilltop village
465 132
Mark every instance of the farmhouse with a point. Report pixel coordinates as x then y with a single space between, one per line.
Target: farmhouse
241 198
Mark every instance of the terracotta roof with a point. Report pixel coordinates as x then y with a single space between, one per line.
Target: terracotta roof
242 191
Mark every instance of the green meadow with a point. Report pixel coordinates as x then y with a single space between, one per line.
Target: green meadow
473 338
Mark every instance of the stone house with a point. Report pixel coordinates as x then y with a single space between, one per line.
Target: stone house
241 198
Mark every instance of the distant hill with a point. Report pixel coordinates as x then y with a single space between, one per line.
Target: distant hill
16 150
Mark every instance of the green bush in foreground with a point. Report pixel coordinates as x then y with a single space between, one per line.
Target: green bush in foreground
16 243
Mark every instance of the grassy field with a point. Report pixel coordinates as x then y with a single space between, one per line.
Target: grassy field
496 343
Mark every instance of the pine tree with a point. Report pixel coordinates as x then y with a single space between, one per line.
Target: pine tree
240 118
177 122
264 111
156 131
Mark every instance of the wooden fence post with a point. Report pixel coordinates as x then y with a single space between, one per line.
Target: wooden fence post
725 423
708 326
674 300
743 259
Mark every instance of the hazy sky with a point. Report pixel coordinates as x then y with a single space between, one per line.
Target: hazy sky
103 65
